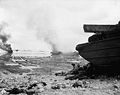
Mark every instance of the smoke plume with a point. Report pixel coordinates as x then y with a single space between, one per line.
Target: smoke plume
3 36
54 25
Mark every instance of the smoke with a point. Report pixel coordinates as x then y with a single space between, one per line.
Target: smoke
56 25
61 27
3 36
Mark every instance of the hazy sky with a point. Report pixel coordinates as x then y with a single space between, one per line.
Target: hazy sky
41 24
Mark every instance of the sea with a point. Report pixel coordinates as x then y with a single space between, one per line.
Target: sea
30 53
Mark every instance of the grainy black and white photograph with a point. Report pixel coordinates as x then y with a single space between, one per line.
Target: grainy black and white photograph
59 47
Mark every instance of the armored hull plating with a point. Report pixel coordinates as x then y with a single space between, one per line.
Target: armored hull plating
103 48
101 53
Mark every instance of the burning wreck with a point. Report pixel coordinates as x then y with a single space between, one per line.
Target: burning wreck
4 47
5 51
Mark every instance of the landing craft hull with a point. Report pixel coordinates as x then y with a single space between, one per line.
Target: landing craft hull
103 53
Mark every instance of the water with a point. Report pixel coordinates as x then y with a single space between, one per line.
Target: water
29 53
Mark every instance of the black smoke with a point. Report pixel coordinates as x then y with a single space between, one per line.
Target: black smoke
3 36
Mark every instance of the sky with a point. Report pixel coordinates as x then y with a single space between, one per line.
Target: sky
48 25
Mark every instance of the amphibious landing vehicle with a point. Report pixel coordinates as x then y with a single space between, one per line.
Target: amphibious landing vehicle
103 48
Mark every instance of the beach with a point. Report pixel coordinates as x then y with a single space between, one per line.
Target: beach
36 76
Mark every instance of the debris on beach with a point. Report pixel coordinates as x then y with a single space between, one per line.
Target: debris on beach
50 77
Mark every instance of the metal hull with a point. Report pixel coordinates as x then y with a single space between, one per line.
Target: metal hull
101 53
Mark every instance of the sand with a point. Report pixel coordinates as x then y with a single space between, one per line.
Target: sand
36 76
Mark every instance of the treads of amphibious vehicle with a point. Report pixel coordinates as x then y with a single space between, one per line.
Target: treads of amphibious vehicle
102 52
110 43
99 28
105 61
